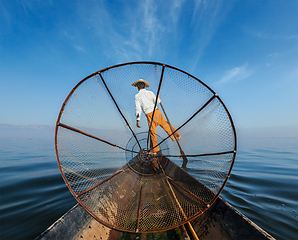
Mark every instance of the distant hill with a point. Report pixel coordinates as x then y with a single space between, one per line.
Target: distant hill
9 131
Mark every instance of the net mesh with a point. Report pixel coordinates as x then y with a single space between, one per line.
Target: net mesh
105 161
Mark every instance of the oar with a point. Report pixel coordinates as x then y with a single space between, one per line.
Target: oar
188 224
185 160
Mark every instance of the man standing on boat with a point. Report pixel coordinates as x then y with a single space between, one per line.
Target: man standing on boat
145 100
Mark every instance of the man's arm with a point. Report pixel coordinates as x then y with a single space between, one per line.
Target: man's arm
158 100
154 98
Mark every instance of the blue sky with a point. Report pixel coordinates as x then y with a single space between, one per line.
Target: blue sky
246 51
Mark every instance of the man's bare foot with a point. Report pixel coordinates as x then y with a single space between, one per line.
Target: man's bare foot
156 154
178 137
151 153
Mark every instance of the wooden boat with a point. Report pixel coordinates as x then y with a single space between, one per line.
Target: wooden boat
151 194
221 221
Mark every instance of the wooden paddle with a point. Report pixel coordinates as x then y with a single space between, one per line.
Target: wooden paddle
185 160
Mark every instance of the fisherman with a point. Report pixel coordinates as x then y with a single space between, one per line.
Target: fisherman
145 100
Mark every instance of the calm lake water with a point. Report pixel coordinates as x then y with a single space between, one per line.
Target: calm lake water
263 186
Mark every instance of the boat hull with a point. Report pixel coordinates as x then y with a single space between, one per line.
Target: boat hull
221 221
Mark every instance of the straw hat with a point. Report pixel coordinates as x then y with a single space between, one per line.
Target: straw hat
140 80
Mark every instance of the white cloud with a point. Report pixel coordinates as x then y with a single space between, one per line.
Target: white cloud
151 26
68 36
291 37
196 8
206 19
79 48
266 35
175 10
273 55
134 35
145 29
235 74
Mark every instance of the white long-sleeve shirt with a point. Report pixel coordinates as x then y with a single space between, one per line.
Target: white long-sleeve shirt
145 100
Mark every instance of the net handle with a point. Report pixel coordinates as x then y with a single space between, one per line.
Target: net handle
185 160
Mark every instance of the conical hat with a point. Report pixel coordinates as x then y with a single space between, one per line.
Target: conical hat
140 80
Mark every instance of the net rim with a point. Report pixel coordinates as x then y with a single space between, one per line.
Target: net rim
149 63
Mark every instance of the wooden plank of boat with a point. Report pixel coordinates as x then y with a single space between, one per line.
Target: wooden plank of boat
221 221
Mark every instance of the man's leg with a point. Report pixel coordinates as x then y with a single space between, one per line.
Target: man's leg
153 139
153 135
168 128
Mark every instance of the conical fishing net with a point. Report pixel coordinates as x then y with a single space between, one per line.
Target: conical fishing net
108 163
